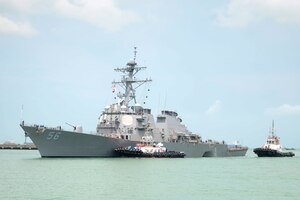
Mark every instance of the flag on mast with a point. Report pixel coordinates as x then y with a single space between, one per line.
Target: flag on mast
114 88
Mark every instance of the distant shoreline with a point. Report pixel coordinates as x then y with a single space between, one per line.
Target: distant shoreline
18 147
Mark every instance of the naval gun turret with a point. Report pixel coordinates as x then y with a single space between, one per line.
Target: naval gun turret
77 128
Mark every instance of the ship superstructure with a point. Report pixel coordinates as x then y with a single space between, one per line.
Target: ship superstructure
125 123
128 120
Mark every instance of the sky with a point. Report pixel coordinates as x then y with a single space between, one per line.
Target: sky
228 67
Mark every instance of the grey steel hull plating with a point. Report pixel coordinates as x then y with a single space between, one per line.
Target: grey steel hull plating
60 143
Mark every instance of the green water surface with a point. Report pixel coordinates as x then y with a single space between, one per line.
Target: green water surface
25 175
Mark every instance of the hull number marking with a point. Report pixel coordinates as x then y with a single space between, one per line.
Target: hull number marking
53 135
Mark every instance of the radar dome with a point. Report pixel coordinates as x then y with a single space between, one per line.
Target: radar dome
131 62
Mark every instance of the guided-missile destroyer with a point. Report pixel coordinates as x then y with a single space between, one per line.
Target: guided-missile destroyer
126 123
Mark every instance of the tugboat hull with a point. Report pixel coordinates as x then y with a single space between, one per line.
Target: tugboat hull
262 152
138 153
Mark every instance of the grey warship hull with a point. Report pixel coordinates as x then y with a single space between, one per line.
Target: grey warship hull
52 142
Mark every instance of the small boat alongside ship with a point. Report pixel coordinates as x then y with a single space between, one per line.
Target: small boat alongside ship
148 149
144 151
272 147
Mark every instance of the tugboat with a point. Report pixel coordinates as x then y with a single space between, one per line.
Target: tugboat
272 147
148 150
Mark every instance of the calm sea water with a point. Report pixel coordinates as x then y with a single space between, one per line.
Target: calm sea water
25 175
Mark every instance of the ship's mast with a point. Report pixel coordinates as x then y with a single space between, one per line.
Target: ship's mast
128 82
273 128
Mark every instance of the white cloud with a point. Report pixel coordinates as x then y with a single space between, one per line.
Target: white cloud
240 13
101 13
215 108
20 6
284 109
104 13
8 26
